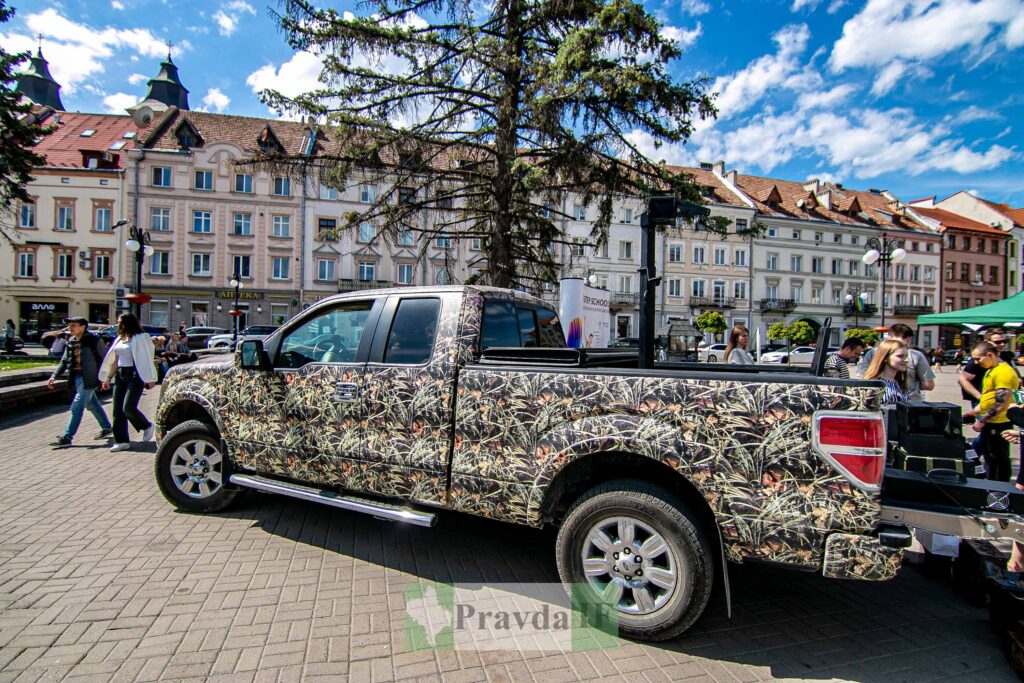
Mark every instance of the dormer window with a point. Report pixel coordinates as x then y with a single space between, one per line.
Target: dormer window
268 142
188 136
185 139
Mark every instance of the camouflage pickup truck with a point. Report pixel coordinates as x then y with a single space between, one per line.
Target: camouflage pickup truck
398 402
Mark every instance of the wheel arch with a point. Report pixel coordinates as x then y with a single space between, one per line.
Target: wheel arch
187 407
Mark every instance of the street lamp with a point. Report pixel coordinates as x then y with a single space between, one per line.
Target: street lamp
236 282
885 251
138 243
856 300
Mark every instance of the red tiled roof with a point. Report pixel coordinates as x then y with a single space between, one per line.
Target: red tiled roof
719 193
63 148
952 220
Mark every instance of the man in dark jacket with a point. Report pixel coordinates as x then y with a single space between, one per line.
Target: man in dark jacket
81 361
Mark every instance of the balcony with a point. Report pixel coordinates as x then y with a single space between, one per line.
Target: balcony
780 305
912 310
625 299
712 302
347 285
866 310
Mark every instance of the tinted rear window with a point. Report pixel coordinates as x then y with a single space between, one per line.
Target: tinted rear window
508 325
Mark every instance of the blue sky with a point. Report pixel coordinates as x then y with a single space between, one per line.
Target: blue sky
920 97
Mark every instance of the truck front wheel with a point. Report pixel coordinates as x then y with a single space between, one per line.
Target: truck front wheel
192 470
636 548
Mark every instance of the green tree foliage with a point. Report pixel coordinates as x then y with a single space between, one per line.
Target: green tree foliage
19 130
800 333
477 119
778 331
866 336
711 321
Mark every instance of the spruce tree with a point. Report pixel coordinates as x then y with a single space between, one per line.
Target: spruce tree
19 130
485 117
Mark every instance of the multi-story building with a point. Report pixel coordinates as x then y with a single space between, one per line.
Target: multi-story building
63 258
1007 219
973 262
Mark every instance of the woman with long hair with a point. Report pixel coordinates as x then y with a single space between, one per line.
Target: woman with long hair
130 361
889 364
736 350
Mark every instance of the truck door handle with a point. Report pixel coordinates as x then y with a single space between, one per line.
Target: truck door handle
346 391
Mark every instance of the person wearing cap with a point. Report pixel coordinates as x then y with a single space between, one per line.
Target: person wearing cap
81 362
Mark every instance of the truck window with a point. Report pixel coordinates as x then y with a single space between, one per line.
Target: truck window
551 335
500 326
411 340
330 337
528 327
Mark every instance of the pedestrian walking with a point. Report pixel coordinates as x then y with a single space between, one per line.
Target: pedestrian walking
9 335
81 361
181 328
889 364
736 350
838 364
920 376
997 389
129 363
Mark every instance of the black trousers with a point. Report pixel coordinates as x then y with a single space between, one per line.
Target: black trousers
997 451
127 392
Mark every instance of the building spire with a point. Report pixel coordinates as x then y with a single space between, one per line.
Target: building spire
166 89
36 83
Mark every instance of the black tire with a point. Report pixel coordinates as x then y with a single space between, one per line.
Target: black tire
666 515
191 435
712 359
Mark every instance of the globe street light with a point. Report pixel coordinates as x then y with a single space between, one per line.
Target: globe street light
236 282
856 302
885 251
137 243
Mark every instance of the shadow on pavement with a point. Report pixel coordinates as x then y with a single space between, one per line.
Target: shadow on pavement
858 630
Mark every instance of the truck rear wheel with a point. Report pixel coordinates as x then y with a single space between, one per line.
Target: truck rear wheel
637 548
192 469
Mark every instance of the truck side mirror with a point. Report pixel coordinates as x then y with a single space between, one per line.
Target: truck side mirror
253 355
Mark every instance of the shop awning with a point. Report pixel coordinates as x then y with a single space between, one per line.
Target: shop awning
1003 312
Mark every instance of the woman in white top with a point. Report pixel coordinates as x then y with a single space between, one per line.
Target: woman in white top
736 350
129 363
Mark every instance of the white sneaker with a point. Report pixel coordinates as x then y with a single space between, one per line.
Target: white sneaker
148 434
120 447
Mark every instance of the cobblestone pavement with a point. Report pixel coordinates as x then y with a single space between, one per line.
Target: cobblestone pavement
101 579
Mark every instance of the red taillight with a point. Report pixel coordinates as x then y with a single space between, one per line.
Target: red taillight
851 432
855 445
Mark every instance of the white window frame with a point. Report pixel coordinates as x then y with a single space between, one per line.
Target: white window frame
281 225
366 268
405 273
282 187
280 268
98 272
237 260
246 183
367 193
202 219
102 221
163 258
241 224
207 184
164 179
208 262
325 269
159 219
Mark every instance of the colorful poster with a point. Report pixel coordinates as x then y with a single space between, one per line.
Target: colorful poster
583 311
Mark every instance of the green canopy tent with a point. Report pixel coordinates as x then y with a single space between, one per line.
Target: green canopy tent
1003 312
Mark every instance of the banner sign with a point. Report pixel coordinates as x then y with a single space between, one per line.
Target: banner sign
583 311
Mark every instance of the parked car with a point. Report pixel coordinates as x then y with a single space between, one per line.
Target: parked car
223 341
765 348
712 353
798 355
198 336
625 343
392 404
47 338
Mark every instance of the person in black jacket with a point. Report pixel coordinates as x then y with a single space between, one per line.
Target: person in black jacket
81 361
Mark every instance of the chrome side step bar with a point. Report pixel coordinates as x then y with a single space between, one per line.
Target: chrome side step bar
985 525
392 513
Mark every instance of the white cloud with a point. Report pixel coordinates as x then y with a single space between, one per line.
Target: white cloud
740 91
972 113
888 78
77 51
216 100
825 99
800 4
919 30
118 102
117 5
681 36
298 75
228 16
694 7
138 79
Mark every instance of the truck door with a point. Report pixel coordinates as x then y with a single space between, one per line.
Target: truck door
319 362
408 388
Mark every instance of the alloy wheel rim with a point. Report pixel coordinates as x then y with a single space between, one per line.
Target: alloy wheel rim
630 566
197 468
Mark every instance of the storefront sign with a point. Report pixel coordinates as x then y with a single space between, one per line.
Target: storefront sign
230 294
44 307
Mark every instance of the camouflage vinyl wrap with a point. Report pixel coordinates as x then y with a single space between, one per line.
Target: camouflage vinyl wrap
848 556
745 446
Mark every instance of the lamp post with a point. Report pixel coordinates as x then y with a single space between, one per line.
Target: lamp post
885 251
856 300
138 243
236 282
